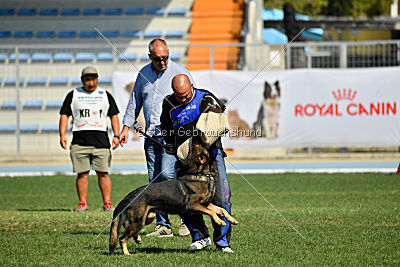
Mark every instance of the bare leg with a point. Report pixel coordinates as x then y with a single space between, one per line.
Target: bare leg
105 185
82 185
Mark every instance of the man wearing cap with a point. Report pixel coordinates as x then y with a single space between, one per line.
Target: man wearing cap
90 106
153 83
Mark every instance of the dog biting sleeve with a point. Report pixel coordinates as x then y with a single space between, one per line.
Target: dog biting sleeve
213 126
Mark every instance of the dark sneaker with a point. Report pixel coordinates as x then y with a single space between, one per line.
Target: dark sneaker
81 207
200 244
161 231
108 206
183 230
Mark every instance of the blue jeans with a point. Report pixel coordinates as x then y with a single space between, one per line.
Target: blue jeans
160 167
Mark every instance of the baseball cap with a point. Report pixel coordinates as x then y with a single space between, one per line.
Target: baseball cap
89 70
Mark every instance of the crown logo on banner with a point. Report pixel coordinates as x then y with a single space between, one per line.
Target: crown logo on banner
344 94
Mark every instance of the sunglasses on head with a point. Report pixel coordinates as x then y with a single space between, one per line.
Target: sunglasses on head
159 59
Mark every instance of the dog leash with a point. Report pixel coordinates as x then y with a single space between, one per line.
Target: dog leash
137 129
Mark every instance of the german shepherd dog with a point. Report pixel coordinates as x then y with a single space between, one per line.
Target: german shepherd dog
188 194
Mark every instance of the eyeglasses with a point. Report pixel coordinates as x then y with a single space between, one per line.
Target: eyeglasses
159 59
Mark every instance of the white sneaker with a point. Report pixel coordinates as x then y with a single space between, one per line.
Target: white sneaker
225 249
183 230
162 231
200 244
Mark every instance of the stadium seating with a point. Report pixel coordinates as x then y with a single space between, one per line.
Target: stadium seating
48 128
57 81
76 81
41 57
177 11
33 104
84 56
134 11
113 11
104 80
29 128
22 57
48 72
152 34
9 105
23 34
144 57
92 12
156 11
37 81
215 22
111 34
54 104
63 57
3 57
128 56
175 56
11 81
48 12
174 34
7 128
67 34
105 56
132 34
70 12
52 127
27 12
7 11
88 34
45 34
5 34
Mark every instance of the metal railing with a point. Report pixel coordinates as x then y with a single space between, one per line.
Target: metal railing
364 54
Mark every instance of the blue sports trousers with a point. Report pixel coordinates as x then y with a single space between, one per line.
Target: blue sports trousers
195 223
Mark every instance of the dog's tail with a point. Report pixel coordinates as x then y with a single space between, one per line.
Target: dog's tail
114 233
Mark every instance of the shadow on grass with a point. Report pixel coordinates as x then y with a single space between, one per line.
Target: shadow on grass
147 250
104 233
45 210
87 233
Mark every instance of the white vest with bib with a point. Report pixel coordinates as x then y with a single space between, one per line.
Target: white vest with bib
89 109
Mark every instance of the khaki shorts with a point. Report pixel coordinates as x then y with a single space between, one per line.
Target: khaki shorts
84 156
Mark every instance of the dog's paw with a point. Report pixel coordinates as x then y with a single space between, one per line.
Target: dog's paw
222 223
234 222
138 240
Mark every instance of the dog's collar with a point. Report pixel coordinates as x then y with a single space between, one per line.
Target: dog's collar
198 177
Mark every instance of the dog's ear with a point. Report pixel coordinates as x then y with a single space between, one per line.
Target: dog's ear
267 90
278 88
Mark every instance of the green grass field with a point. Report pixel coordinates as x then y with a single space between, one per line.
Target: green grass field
347 219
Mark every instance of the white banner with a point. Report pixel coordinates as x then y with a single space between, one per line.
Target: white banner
301 108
